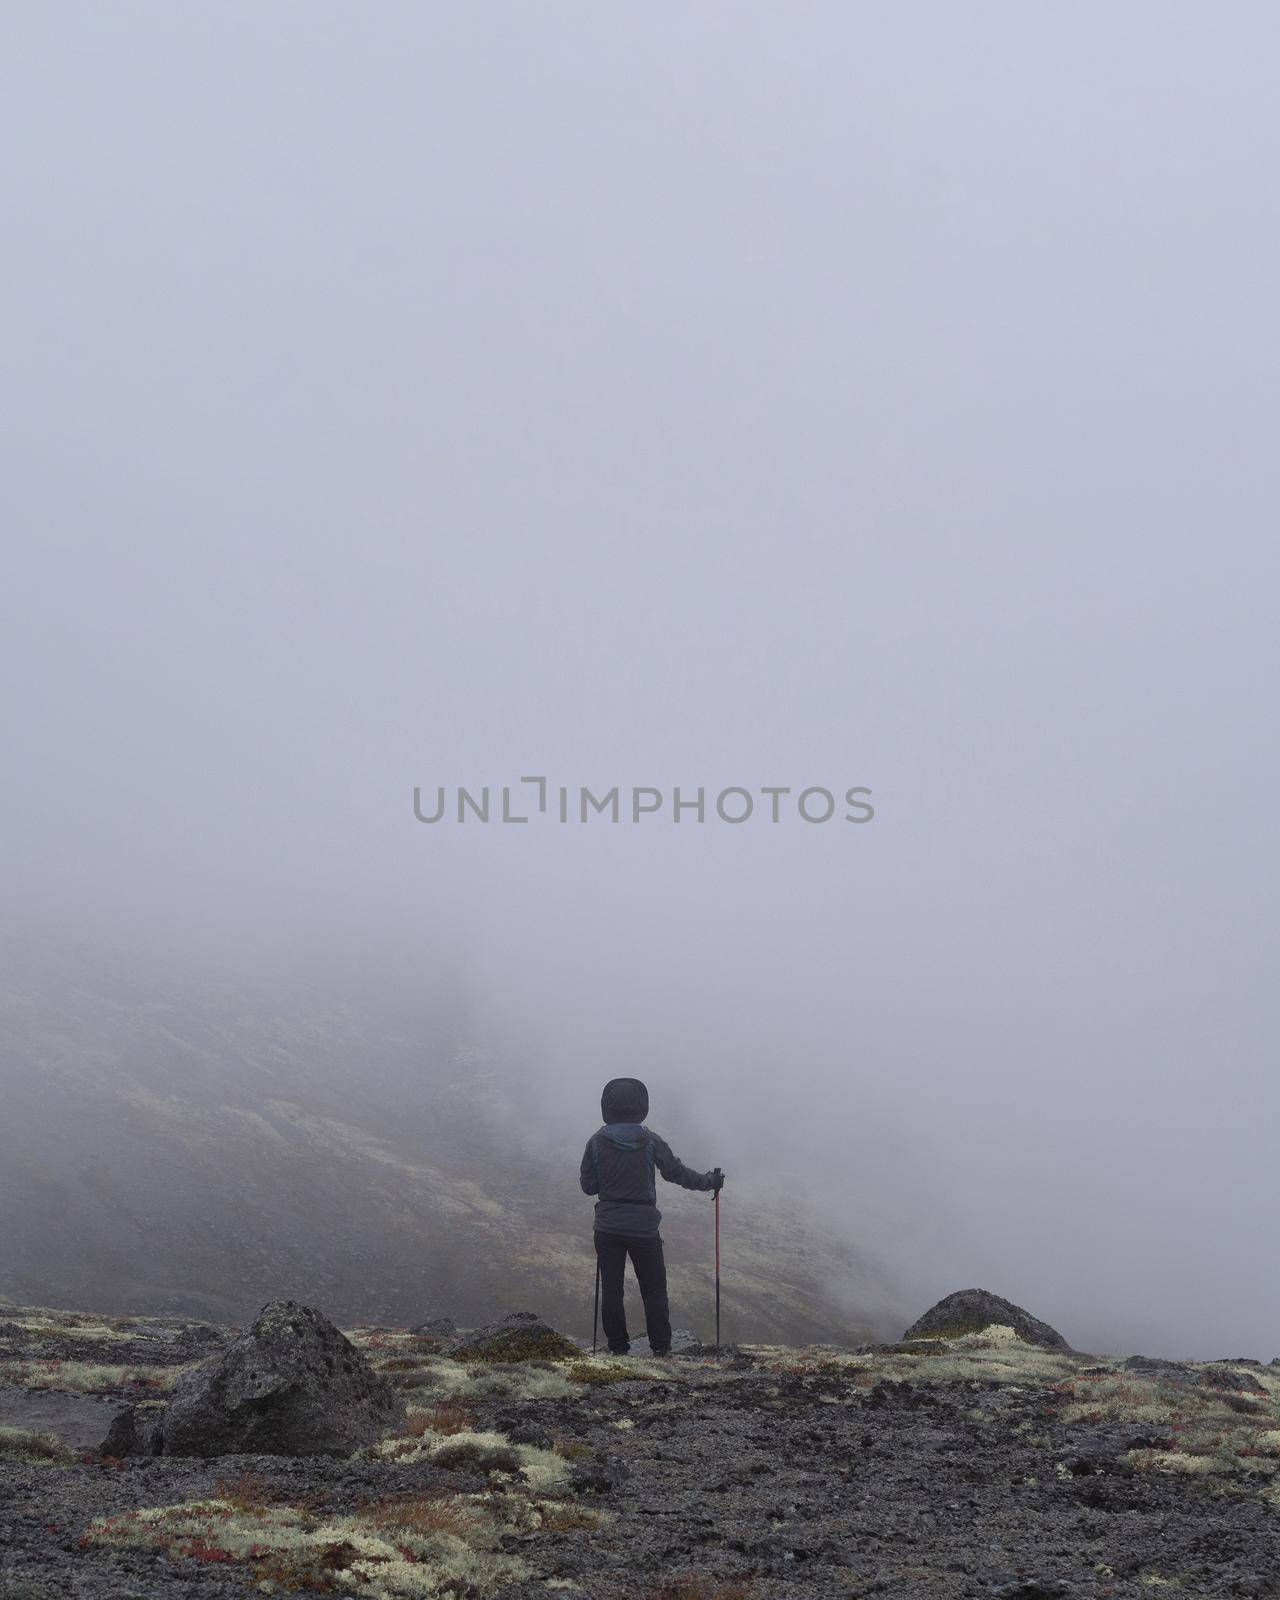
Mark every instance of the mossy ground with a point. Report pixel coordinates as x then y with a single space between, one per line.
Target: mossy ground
399 1551
516 1347
91 1377
434 1541
22 1444
939 1469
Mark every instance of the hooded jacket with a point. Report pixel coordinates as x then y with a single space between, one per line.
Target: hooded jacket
621 1159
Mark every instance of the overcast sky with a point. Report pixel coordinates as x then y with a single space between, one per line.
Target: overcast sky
706 395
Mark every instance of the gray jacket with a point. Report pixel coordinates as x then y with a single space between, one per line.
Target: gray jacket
619 1165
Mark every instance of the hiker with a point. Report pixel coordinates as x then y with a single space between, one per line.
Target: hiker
618 1166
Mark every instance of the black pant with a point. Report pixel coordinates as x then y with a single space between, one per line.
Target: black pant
612 1250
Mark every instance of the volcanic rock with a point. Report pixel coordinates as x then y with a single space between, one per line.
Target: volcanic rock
519 1336
437 1327
971 1310
1219 1376
135 1431
292 1386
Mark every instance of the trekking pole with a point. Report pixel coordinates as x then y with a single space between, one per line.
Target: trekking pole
717 1272
595 1319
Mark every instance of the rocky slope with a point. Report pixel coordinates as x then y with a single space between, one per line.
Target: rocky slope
972 1466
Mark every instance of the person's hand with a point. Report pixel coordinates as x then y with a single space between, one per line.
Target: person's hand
717 1181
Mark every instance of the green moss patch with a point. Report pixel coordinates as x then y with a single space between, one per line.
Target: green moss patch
518 1346
602 1372
36 1449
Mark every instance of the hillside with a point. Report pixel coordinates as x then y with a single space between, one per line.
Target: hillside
197 1146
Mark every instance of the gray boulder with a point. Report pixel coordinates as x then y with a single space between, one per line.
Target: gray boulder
135 1431
293 1385
1158 1366
519 1336
971 1310
1218 1375
436 1327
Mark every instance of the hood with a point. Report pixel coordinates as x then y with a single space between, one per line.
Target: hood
624 1100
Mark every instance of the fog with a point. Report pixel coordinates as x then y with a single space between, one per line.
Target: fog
804 396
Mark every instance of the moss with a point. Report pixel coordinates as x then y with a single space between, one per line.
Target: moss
477 1452
469 1455
37 1328
518 1347
519 1383
576 1449
559 1516
1176 1461
959 1330
410 1554
40 1449
603 1372
81 1377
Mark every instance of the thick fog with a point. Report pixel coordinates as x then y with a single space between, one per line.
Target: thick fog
808 396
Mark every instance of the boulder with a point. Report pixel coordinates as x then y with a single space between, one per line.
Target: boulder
971 1310
293 1385
519 1336
135 1431
1218 1375
1158 1367
436 1327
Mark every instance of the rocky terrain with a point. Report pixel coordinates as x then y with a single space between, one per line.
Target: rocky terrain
977 1459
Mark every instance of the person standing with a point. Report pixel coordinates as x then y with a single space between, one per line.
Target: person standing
619 1166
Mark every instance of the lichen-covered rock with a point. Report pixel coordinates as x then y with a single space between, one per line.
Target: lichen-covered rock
519 1336
971 1310
293 1385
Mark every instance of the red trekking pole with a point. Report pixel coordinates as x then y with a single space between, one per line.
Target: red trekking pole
718 1264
